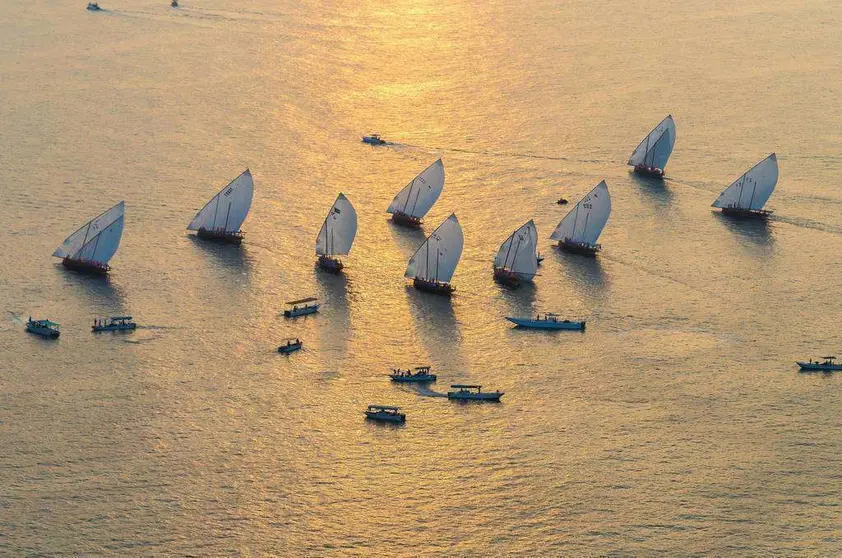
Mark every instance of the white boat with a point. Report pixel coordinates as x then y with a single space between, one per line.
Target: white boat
221 218
421 375
581 227
290 345
827 366
413 202
117 323
90 248
517 258
747 195
651 155
385 413
44 328
432 266
547 321
469 392
336 235
301 307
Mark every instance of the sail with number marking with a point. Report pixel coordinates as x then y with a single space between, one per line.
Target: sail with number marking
339 229
585 222
227 210
417 197
436 259
753 189
656 147
97 240
518 253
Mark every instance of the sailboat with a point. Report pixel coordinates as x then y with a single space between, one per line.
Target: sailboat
650 157
336 235
416 198
747 195
516 259
580 229
222 216
431 267
90 248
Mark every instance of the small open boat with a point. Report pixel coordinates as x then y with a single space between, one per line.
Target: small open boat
302 307
337 235
174 3
374 139
415 199
562 201
290 346
94 7
385 413
651 155
421 375
432 266
468 392
827 366
547 321
117 323
747 195
221 218
581 227
44 328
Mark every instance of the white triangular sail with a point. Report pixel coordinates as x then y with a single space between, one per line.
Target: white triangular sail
751 190
339 229
227 210
436 259
98 239
586 220
517 253
418 196
656 147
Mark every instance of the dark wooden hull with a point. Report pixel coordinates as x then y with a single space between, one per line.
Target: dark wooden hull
507 278
577 248
330 265
89 268
651 172
443 289
221 236
406 220
746 213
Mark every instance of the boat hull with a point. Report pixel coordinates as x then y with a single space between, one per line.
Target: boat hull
651 172
434 287
415 379
127 327
458 396
81 266
386 417
746 213
547 324
331 265
405 220
43 332
814 366
224 237
373 141
301 311
286 349
579 248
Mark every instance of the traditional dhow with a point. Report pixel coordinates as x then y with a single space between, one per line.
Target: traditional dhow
44 328
547 321
301 307
421 375
89 249
413 202
336 235
290 346
747 195
826 366
517 259
116 323
469 392
651 156
221 218
581 227
385 413
432 266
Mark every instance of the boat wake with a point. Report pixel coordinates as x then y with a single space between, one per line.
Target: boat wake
805 223
15 317
509 154
424 391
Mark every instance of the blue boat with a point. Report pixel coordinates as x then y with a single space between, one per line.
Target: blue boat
547 321
385 413
374 139
827 366
94 7
44 328
302 307
117 323
290 346
421 375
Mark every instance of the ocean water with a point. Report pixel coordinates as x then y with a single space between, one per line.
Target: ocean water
676 424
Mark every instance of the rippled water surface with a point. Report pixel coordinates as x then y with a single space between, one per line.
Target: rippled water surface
676 423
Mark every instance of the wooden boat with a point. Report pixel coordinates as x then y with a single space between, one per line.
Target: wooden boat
517 259
827 366
337 235
290 346
747 195
174 3
468 392
547 321
651 155
117 323
90 248
302 307
221 218
581 227
413 202
385 413
44 328
421 375
93 6
374 139
432 266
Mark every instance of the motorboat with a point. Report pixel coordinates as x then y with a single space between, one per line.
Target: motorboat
547 321
421 375
826 366
221 218
44 328
374 139
117 323
468 392
290 346
302 307
385 413
94 7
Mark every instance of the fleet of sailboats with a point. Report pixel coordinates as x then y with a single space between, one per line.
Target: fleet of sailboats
581 227
337 234
92 246
221 218
651 155
517 259
432 266
747 195
413 202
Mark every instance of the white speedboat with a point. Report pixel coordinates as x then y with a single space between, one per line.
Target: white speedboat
385 413
827 366
547 321
469 392
302 307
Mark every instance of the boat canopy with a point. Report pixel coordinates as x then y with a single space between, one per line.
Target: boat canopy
97 240
303 300
829 358
417 197
338 230
656 147
584 223
121 318
46 323
423 368
518 252
753 189
465 386
437 257
227 210
383 408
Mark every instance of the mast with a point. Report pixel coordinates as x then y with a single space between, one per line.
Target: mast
438 255
575 220
227 215
216 213
408 195
585 229
506 261
753 190
427 269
